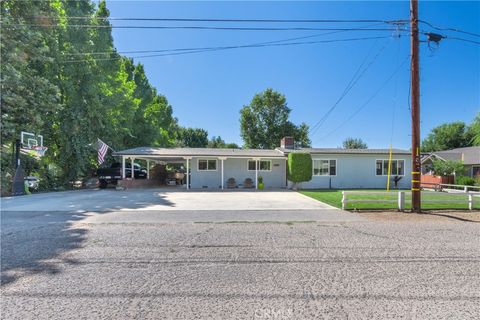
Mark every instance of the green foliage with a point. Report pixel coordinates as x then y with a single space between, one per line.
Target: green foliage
192 137
219 143
352 143
474 130
447 136
265 121
53 85
446 168
464 180
299 167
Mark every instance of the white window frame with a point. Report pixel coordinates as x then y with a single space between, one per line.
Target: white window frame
386 160
206 159
325 175
266 160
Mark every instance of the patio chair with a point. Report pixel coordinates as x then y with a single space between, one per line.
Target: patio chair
248 183
231 183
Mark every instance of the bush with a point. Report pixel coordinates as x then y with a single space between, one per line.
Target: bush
464 181
299 167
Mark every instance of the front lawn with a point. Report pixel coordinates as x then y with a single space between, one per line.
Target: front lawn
334 198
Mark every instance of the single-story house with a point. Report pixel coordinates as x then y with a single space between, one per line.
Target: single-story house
470 156
334 168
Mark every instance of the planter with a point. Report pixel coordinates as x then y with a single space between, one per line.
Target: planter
261 186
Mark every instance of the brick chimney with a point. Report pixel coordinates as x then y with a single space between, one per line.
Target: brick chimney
287 143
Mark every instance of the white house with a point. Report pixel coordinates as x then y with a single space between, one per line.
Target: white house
333 168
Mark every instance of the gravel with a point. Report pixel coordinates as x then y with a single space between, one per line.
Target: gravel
59 266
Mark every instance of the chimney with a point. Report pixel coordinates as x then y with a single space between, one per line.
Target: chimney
287 143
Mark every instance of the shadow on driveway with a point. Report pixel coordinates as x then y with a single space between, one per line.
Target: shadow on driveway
33 241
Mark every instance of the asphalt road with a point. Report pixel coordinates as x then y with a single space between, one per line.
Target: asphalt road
60 265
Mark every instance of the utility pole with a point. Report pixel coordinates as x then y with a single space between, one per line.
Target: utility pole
415 91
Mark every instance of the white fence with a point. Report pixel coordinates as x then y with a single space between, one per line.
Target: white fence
443 186
399 198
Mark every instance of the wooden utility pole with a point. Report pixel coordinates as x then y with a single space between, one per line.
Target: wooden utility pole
415 91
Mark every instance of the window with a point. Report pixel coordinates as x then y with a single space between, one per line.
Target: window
207 165
263 165
397 169
324 167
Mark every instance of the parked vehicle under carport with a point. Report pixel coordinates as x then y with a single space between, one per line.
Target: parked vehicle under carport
111 175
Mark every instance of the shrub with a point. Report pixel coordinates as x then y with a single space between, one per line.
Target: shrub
299 167
464 181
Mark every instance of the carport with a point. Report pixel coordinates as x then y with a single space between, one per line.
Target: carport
212 168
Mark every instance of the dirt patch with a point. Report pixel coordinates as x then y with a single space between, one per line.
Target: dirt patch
427 216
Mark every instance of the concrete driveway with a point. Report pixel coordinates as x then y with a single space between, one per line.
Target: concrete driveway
157 205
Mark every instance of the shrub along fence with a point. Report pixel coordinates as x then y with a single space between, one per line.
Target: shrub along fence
399 198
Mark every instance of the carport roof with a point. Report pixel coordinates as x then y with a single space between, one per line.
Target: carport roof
202 152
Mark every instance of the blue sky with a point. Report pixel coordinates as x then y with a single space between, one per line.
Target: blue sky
208 89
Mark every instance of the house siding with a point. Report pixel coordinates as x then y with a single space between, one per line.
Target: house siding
237 168
357 171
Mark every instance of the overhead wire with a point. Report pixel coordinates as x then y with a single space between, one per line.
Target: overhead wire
369 99
209 49
183 49
449 29
353 81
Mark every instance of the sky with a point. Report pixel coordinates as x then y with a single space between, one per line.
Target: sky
208 89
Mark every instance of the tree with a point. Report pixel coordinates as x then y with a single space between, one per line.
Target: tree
265 121
351 143
192 137
218 142
474 130
299 167
446 168
447 136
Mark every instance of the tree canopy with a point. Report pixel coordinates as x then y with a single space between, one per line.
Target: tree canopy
448 136
53 85
352 143
265 121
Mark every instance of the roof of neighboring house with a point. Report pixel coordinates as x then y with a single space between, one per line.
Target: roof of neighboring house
346 151
469 155
202 152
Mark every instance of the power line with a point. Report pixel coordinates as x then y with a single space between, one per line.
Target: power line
209 49
356 77
462 39
184 49
86 26
233 20
449 29
369 99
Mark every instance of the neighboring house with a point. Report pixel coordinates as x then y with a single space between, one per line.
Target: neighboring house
470 156
332 168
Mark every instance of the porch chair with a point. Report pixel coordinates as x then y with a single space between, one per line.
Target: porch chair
231 183
248 183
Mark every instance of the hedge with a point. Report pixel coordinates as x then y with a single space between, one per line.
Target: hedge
299 167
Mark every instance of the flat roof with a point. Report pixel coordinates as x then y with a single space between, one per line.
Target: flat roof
346 151
200 152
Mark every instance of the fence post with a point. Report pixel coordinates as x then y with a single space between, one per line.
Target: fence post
470 201
344 200
401 200
465 189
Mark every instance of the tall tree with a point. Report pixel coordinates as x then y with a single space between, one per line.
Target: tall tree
219 143
447 136
474 130
352 143
192 137
265 121
27 92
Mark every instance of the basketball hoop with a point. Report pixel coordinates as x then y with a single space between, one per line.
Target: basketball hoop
40 150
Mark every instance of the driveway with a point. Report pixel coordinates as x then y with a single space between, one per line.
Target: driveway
159 205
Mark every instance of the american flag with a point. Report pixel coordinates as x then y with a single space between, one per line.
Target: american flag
102 151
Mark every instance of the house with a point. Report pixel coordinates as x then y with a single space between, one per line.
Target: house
470 156
332 167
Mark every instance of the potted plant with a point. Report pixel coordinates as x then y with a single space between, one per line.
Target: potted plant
260 183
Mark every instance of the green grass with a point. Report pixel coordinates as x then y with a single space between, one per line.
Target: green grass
334 198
